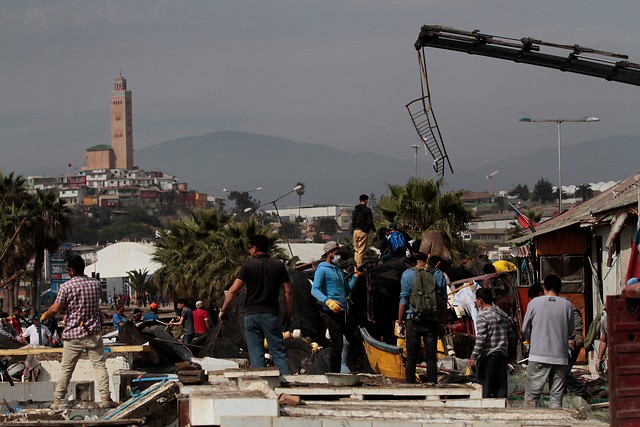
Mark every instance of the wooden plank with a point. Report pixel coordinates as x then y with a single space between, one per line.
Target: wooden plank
26 351
389 404
469 392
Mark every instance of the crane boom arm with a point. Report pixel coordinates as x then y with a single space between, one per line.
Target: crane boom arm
581 60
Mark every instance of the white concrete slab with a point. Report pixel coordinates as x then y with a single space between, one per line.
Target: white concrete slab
238 421
84 371
207 408
22 392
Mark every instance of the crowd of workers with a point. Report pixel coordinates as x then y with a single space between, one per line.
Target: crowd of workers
550 322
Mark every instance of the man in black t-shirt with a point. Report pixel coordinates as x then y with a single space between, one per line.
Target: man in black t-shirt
263 277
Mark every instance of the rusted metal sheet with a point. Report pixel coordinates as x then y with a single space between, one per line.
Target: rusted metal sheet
623 326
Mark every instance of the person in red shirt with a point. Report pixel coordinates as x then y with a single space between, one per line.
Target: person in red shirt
200 320
15 320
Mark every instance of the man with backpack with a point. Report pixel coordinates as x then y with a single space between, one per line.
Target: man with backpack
422 309
396 242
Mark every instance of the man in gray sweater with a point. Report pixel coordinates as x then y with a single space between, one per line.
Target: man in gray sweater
547 325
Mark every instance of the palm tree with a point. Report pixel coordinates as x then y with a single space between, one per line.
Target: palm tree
584 191
290 230
420 206
200 255
327 225
15 254
49 225
16 251
140 282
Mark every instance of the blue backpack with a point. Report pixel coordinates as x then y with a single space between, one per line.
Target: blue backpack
397 240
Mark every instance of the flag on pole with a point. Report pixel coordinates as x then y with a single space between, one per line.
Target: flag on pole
524 220
633 269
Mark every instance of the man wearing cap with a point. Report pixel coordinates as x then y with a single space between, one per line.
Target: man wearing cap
137 315
331 288
263 277
82 330
362 223
200 320
153 312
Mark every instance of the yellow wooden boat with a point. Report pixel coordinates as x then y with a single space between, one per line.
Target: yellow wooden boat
385 359
388 359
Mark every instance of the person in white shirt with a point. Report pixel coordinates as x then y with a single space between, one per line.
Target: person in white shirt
31 334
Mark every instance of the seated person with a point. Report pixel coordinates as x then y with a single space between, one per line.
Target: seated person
396 243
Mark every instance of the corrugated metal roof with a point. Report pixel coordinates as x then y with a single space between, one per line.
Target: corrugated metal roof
621 196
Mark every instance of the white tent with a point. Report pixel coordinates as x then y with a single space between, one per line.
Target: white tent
117 259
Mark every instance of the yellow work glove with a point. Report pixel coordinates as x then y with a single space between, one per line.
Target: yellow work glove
43 317
333 305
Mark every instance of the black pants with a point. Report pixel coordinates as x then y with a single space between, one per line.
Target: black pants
340 324
571 383
491 372
428 331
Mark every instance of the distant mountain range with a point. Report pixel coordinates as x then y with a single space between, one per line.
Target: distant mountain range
244 161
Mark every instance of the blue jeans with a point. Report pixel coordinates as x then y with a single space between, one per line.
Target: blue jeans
259 326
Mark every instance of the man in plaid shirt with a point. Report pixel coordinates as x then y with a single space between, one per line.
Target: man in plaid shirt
82 330
493 336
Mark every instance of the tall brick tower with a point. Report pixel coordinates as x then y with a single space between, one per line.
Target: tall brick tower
122 124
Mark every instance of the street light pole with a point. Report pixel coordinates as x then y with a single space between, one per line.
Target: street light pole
558 123
415 160
275 206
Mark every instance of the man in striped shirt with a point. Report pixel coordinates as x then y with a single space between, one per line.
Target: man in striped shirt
82 330
490 353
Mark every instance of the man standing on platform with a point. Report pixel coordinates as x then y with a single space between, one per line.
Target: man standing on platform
362 223
82 330
422 312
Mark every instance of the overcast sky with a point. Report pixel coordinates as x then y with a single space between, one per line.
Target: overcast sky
328 72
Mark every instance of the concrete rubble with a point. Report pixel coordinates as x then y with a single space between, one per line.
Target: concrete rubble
227 393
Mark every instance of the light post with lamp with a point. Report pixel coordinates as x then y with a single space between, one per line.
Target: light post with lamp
298 187
238 196
558 122
415 160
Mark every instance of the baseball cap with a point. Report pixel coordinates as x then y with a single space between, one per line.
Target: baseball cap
136 311
153 305
329 246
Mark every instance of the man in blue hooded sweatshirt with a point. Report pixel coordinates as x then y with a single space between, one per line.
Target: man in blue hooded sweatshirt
331 288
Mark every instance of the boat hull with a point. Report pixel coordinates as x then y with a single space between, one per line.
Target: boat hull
384 358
